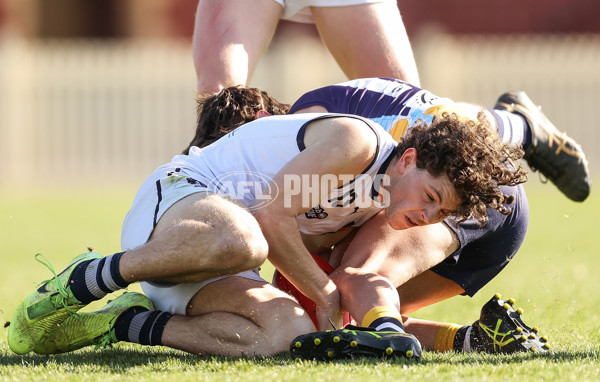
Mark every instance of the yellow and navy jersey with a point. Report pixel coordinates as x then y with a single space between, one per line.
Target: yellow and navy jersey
393 104
396 106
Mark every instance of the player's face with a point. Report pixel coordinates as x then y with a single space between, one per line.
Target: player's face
417 198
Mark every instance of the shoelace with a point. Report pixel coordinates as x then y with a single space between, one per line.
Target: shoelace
63 295
106 340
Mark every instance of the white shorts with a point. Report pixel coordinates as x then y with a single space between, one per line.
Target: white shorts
174 298
299 10
155 196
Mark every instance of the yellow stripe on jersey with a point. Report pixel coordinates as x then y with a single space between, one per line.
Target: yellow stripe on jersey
460 109
399 129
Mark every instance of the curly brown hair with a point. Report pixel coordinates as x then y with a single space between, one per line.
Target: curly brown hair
474 159
219 113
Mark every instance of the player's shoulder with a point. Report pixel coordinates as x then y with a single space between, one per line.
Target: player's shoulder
342 129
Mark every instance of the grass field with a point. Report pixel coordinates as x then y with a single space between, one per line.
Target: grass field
553 278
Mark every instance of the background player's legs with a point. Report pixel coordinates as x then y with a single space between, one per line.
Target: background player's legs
229 38
368 40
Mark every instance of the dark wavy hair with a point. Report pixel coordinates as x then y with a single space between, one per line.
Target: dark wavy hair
219 113
474 159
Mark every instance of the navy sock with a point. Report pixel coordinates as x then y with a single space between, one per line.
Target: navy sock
389 324
94 279
467 339
141 326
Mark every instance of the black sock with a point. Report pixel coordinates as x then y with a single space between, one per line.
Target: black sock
94 279
467 338
141 326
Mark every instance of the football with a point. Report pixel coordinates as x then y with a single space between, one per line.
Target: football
280 282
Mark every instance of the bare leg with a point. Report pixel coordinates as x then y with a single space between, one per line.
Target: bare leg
229 38
426 289
202 236
395 257
237 317
401 259
368 40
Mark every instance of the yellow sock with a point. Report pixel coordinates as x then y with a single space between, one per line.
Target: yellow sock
379 312
444 337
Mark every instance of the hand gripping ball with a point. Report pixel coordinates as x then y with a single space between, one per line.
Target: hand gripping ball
280 282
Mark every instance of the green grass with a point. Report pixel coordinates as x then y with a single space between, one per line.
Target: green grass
553 279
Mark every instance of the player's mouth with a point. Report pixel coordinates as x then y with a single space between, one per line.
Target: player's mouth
410 222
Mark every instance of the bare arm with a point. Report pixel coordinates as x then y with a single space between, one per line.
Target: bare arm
333 146
379 259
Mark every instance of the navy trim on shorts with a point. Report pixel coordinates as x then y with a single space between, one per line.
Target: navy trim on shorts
159 197
485 251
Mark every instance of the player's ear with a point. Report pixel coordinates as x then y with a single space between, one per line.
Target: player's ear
262 113
407 160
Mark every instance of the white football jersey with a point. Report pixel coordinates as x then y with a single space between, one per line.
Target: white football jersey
242 163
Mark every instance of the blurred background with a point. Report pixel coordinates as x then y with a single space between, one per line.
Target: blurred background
95 94
101 90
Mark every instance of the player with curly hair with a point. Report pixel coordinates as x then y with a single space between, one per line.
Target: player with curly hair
468 256
222 210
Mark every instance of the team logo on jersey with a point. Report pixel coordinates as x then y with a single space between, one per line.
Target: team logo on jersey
255 190
316 213
194 182
343 200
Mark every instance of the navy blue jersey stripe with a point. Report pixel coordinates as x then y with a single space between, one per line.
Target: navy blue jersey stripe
358 101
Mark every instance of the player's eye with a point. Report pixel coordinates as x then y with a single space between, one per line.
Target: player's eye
430 197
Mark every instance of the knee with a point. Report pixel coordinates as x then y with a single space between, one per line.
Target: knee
244 243
231 245
345 279
286 321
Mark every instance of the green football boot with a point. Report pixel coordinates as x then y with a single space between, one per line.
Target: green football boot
93 328
355 342
45 308
500 329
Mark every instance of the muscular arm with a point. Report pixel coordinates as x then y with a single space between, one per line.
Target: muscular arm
337 146
379 259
